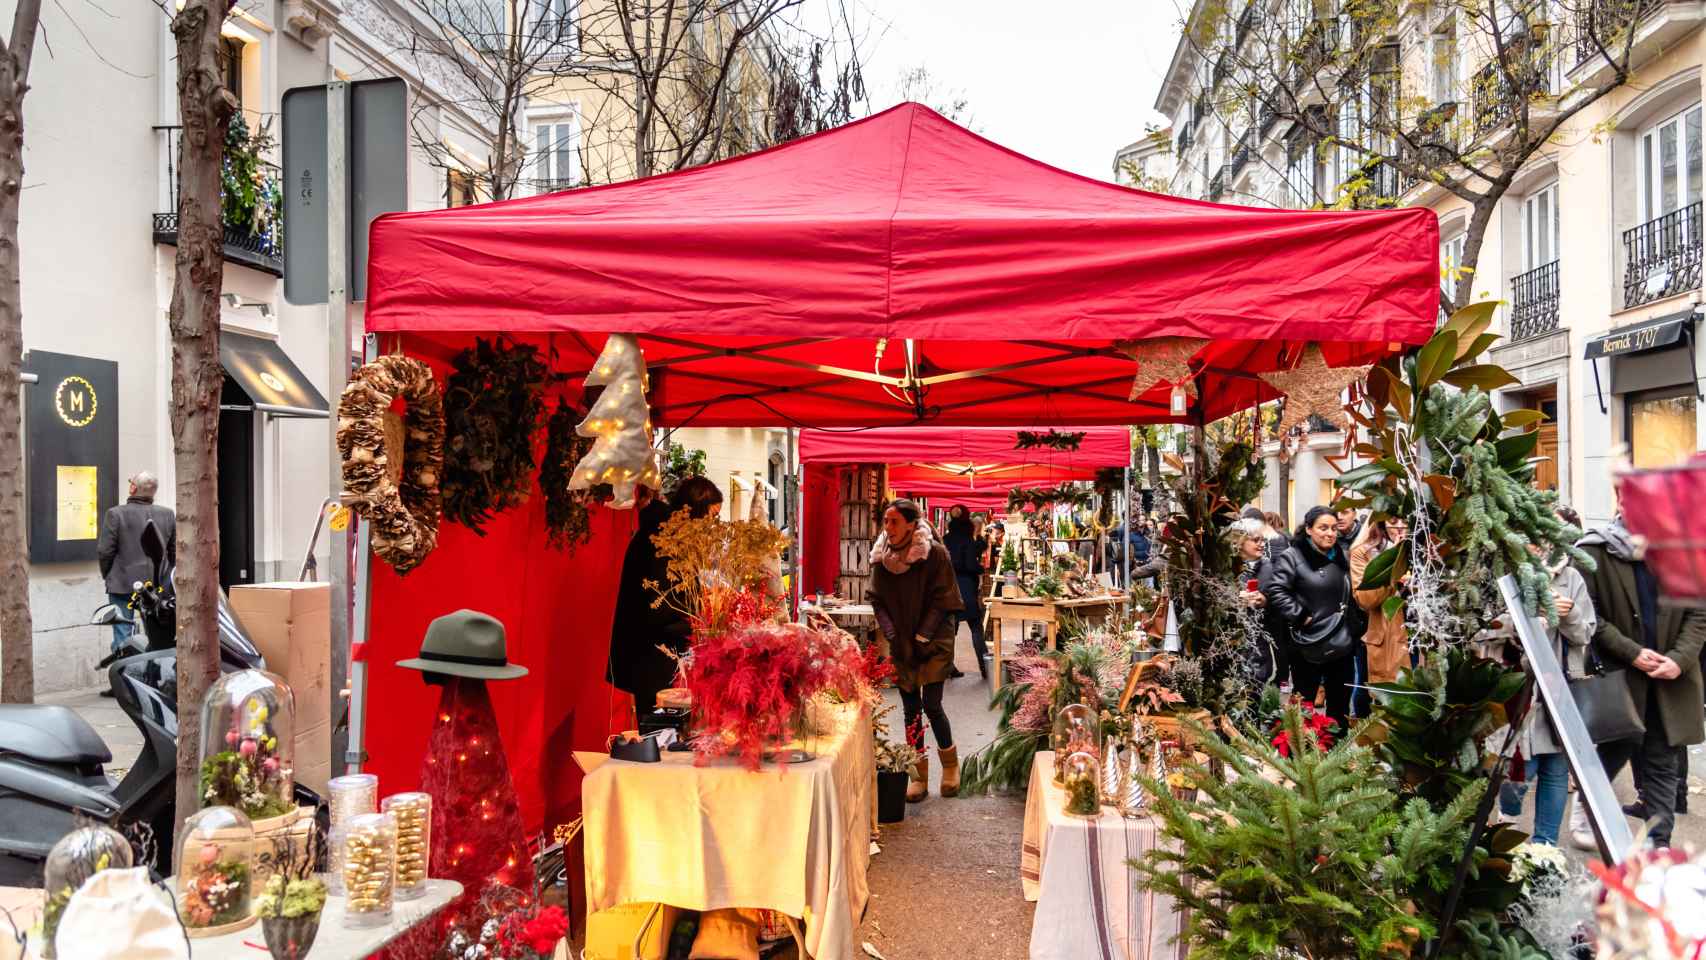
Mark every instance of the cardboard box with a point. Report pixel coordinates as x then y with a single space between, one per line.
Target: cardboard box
291 624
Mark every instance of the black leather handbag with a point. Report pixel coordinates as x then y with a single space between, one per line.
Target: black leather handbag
1606 705
1326 639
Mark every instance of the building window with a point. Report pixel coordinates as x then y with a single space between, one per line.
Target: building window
459 189
556 155
1444 66
1670 165
231 65
1540 227
559 23
1660 426
778 503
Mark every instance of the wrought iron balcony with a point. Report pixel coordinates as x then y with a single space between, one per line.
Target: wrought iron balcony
1217 184
1600 26
1222 69
258 243
1184 142
1661 258
1534 302
1265 119
1494 97
1240 155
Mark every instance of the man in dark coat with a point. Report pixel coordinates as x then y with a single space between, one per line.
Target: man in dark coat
639 627
1660 644
963 552
119 547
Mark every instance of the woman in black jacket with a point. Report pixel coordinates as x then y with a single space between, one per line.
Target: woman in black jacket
964 549
640 627
1307 583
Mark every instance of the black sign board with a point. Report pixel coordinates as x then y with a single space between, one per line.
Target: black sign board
1654 334
71 429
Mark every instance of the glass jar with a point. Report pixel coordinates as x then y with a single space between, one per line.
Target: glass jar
215 871
370 870
412 813
1082 778
1076 730
350 796
248 734
77 856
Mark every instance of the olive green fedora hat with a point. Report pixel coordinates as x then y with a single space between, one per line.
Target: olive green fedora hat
466 643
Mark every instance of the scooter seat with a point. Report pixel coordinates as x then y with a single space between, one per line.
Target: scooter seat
50 734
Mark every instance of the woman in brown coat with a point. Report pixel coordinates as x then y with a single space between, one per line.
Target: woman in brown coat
913 592
1387 641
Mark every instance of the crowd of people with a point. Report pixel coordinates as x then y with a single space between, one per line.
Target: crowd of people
1323 636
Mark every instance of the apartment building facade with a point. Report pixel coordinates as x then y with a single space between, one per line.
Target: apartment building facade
1594 249
98 236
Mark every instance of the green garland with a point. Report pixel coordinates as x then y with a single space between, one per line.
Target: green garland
568 522
1040 497
493 400
1051 439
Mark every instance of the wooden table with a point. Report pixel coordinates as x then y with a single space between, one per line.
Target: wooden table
1045 611
333 940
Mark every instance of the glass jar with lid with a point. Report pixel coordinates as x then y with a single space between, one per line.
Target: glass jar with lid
215 871
77 856
1081 777
248 732
1076 730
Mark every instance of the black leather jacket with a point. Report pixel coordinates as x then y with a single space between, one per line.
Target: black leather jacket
1304 583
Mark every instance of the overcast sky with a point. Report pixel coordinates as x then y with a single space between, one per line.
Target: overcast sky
1065 81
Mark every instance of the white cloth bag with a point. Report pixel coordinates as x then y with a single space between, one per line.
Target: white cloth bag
119 915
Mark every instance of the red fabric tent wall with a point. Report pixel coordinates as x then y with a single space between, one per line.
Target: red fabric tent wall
820 525
766 290
556 609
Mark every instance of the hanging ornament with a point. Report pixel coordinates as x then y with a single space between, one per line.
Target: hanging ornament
1312 387
622 454
395 490
1111 772
1133 800
1162 360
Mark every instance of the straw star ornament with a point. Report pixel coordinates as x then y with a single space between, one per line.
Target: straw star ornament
1162 360
1312 387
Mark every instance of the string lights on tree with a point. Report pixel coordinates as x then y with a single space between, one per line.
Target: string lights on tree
620 421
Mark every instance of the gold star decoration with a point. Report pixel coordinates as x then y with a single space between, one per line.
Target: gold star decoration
1312 387
1162 360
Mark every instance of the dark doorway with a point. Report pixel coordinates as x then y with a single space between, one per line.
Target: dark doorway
236 486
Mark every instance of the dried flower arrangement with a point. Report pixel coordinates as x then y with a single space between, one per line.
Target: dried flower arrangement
568 521
711 563
250 774
217 890
493 400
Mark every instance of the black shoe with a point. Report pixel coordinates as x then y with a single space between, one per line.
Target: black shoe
108 692
954 673
1638 810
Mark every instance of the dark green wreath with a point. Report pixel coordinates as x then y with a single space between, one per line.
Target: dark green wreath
568 522
1052 439
1039 497
493 400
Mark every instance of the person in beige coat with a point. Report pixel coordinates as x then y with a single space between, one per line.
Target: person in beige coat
1387 641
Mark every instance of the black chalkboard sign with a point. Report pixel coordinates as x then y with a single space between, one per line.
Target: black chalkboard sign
71 434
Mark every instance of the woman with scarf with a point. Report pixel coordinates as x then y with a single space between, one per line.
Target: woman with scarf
1386 639
1263 656
1310 592
914 595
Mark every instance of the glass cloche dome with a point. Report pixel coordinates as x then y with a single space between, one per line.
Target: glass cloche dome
248 732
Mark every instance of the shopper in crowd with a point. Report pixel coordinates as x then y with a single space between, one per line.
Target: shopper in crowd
997 538
1137 541
1350 527
965 551
1274 540
1253 560
1660 644
1385 641
118 549
914 594
1538 740
640 626
1310 592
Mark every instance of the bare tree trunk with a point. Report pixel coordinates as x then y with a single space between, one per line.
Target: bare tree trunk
17 629
1464 289
1284 489
205 108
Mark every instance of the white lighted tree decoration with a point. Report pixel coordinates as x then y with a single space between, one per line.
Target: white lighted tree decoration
622 454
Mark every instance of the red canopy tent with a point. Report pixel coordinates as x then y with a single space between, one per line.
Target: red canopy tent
974 466
890 271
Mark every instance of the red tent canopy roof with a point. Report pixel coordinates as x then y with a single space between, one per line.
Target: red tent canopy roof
763 287
966 459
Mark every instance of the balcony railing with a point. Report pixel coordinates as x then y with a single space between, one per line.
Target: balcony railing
262 248
1217 184
1600 25
1240 155
1534 302
1493 96
1184 143
1661 258
1222 69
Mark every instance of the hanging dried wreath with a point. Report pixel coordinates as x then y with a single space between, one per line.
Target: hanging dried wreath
400 499
1052 439
1019 497
493 400
567 519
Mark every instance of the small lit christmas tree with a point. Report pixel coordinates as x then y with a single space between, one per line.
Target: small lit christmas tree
622 455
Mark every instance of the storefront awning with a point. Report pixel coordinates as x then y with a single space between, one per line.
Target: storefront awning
1665 331
275 383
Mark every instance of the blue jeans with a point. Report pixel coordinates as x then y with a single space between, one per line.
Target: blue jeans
1552 772
122 629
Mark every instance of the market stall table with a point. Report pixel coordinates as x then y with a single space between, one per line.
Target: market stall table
333 940
858 619
712 836
1089 904
1046 611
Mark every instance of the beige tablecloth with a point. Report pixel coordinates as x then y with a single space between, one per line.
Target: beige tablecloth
1089 906
707 837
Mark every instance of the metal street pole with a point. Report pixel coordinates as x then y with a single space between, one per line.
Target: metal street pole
337 377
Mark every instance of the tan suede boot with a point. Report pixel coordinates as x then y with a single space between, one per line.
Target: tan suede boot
950 770
919 787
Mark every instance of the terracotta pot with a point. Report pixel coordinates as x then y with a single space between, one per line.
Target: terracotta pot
290 938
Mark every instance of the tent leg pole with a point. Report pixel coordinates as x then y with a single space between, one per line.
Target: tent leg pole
1130 518
356 753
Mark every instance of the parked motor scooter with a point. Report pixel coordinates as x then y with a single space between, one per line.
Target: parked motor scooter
52 761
